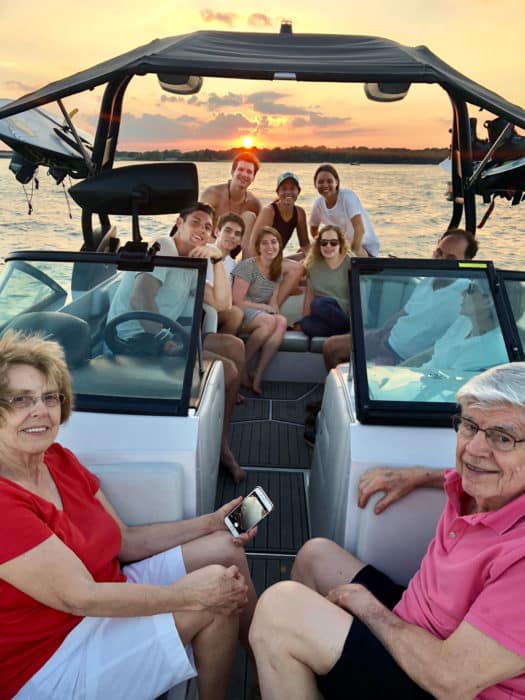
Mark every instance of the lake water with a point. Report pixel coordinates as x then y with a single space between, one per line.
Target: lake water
406 204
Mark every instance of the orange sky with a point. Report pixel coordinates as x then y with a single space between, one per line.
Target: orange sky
44 41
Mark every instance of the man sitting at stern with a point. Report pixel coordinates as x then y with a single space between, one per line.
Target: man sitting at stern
414 329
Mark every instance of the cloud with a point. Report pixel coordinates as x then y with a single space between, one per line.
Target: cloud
18 86
300 122
266 95
259 20
171 98
267 102
319 120
157 129
230 100
226 126
227 18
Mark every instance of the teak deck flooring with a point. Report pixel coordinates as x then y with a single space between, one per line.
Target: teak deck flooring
266 436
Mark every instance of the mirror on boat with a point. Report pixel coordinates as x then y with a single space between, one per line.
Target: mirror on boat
180 84
386 92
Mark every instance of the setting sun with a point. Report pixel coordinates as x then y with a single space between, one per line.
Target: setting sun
247 142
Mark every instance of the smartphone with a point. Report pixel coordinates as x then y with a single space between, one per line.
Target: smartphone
250 511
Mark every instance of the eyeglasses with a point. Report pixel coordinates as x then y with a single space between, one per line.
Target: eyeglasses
329 241
22 401
498 439
474 289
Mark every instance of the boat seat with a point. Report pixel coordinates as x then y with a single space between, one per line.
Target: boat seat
125 375
316 343
71 332
123 483
295 341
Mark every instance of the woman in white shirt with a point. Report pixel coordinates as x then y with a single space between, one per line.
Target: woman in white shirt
342 208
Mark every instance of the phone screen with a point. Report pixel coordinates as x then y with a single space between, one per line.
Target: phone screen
248 513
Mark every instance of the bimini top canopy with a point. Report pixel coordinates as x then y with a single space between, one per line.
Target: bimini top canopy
261 56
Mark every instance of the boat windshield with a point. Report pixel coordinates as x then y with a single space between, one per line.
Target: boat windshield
421 330
514 283
125 355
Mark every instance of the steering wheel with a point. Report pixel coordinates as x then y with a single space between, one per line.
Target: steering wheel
144 343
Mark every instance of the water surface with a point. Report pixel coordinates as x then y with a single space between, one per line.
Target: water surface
406 203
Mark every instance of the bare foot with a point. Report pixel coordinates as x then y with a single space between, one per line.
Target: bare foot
246 380
229 464
256 387
239 400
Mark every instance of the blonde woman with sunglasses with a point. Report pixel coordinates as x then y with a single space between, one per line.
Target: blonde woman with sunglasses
326 301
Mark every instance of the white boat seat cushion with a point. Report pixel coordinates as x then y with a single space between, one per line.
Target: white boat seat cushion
143 492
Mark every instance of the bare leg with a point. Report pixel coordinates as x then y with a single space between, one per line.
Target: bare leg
231 389
292 274
213 639
231 320
227 345
291 646
322 565
260 329
336 350
268 350
219 549
249 220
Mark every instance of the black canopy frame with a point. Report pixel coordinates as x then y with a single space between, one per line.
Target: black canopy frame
268 56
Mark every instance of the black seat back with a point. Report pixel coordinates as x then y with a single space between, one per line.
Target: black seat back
70 331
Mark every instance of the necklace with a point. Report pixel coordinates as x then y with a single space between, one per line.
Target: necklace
240 205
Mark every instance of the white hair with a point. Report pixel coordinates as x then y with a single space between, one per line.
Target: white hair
504 384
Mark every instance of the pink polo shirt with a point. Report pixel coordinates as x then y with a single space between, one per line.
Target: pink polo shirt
474 570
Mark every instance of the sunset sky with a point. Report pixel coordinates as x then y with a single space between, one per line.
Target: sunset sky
45 41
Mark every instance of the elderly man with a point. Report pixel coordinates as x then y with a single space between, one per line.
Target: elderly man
455 244
458 631
233 196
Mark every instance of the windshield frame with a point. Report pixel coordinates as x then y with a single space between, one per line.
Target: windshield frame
417 413
105 403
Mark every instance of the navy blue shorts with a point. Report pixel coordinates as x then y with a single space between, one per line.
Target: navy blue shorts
365 669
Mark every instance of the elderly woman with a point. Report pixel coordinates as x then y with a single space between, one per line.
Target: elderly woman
458 631
74 622
326 306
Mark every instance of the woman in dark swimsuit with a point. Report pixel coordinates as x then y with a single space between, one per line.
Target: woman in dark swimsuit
286 217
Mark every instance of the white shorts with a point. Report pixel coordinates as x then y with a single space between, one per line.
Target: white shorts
134 658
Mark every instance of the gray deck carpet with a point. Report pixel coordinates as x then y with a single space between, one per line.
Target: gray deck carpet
270 444
265 571
266 436
286 528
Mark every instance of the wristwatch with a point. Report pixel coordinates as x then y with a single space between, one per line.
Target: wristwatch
214 261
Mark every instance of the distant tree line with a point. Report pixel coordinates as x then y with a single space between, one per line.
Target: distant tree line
300 154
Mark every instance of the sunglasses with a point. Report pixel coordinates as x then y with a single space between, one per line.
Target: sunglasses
473 288
329 241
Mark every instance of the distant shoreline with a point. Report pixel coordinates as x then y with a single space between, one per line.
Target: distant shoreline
351 156
303 154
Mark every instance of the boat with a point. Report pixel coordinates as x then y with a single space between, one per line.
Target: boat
151 429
